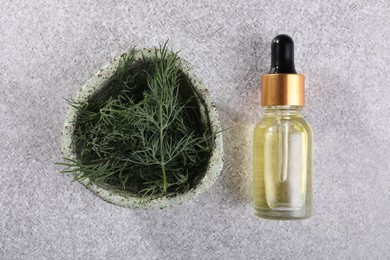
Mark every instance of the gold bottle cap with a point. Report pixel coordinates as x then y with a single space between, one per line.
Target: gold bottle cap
282 86
283 90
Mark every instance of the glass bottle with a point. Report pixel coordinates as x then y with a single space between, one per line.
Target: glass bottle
283 141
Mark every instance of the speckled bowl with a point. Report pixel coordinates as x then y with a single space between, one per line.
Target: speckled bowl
126 199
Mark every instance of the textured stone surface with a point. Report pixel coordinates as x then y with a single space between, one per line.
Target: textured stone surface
49 49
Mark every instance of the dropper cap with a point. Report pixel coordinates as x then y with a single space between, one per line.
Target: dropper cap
282 55
282 86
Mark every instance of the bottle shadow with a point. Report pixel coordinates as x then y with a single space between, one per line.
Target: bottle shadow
237 177
240 115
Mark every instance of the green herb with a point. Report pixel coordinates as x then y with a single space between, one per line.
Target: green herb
144 131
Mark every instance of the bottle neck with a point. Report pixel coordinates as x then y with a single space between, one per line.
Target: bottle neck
283 110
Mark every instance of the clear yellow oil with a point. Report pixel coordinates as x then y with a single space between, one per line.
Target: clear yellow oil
282 164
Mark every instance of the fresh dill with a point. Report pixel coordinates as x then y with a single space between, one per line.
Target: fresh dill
143 132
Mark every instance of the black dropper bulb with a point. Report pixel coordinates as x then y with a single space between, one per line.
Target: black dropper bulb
282 55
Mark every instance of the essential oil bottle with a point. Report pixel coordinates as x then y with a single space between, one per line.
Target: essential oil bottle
283 140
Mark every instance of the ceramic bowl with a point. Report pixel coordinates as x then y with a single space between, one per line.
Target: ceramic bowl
126 199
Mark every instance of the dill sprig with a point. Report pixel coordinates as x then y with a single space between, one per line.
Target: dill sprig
143 132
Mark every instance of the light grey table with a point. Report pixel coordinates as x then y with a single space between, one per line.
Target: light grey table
49 49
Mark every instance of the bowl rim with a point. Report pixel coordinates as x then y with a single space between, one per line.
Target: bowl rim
123 198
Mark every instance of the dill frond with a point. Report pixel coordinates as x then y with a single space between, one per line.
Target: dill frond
143 133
